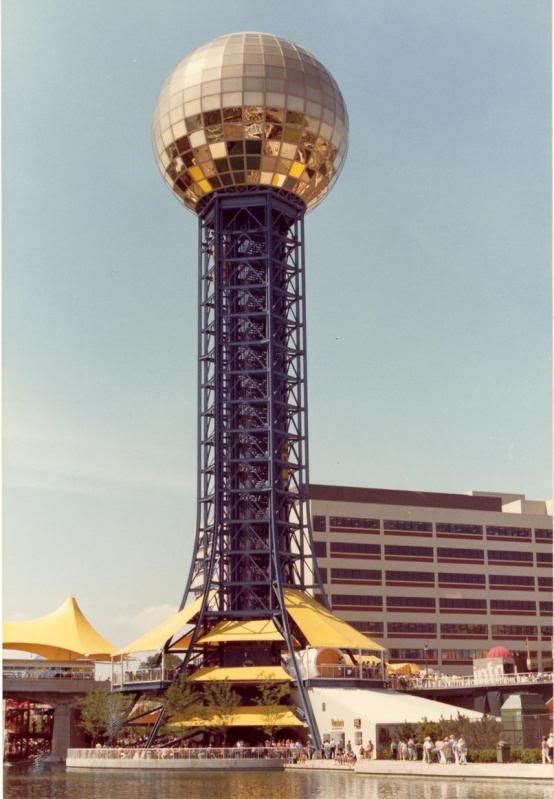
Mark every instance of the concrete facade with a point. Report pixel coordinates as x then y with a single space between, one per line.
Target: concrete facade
458 573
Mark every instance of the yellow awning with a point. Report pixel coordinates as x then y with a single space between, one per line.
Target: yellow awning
273 716
255 630
323 628
241 674
403 668
156 638
182 643
65 634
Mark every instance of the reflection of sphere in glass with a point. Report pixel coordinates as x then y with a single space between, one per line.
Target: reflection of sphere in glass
250 109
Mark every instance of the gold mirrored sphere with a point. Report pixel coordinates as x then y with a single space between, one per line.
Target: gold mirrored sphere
250 109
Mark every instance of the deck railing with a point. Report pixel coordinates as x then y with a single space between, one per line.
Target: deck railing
42 670
446 681
142 676
188 753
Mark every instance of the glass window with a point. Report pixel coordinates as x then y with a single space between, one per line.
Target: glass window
546 607
501 554
464 629
413 654
542 534
357 599
409 551
354 523
511 579
460 554
508 532
375 627
398 524
473 579
323 574
459 655
544 557
320 525
463 604
460 529
413 627
320 549
356 574
546 630
512 629
410 602
512 604
410 577
345 547
545 582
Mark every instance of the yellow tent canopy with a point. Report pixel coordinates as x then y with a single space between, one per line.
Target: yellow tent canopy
182 643
156 638
321 627
64 634
403 668
255 630
241 674
256 716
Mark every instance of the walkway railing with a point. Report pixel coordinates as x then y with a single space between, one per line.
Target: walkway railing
445 681
42 670
187 753
343 672
142 676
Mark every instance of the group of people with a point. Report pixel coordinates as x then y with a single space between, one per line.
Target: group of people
331 750
446 750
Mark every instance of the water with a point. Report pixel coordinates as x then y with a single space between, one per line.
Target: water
22 783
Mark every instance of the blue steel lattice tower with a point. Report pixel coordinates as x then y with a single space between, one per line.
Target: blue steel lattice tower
250 131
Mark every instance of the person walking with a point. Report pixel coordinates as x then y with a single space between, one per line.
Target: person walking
403 750
369 750
461 751
438 751
428 747
394 749
550 742
446 751
412 751
544 750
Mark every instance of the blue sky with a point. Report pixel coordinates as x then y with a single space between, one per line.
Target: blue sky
428 278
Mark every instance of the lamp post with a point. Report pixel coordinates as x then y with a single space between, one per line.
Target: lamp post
425 648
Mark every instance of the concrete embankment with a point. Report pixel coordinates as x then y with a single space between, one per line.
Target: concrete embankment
473 771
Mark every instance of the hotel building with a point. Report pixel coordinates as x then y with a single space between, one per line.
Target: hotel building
438 579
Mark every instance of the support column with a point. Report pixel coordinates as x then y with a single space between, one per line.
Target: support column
61 732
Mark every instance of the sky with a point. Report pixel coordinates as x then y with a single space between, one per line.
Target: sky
428 270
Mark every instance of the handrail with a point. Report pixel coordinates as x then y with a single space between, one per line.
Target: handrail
187 753
446 681
46 672
143 675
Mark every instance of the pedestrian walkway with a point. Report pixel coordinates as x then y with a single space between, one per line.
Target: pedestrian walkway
395 768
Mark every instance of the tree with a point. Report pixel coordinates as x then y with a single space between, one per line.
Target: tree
171 661
103 714
269 698
221 703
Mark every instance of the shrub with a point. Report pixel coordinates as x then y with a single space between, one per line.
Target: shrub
526 756
482 756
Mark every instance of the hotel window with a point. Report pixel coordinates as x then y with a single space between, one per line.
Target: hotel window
393 550
460 554
546 630
501 554
410 577
458 655
464 629
546 607
375 627
344 548
471 579
323 575
512 629
320 525
410 602
463 604
541 534
544 557
460 529
320 549
508 532
545 582
413 654
511 579
355 574
413 628
513 605
396 524
354 523
357 599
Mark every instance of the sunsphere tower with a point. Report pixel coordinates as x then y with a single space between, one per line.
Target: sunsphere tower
250 131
